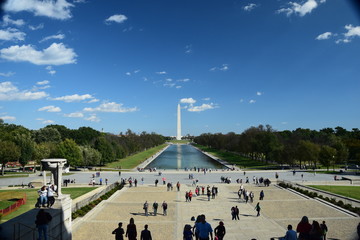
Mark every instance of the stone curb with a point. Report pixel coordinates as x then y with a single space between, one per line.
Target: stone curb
337 207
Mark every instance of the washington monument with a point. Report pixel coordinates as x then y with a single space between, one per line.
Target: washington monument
178 135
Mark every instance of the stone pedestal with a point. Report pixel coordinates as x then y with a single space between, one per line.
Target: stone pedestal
61 224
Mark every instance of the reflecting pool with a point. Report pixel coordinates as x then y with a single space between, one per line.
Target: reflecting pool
180 156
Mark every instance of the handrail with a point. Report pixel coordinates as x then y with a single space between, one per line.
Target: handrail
33 230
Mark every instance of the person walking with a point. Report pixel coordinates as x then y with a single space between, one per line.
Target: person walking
146 207
156 182
178 186
131 232
187 233
262 195
324 228
164 207
220 231
258 208
237 212
42 221
304 228
204 229
233 213
155 207
145 234
190 195
119 232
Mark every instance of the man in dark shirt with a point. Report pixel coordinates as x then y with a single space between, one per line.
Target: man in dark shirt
119 232
145 234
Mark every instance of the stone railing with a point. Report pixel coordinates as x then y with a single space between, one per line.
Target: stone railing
91 196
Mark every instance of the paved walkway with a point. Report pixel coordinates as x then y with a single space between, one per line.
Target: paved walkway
279 208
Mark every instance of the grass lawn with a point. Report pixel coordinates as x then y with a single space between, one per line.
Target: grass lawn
32 198
134 160
240 161
348 191
14 175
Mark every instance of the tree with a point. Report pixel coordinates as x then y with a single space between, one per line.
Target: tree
104 147
327 156
69 150
85 135
26 145
41 151
91 156
47 134
9 152
307 152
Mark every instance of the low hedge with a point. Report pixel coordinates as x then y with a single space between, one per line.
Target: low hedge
84 210
314 194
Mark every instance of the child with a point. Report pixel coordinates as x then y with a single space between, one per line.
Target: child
119 232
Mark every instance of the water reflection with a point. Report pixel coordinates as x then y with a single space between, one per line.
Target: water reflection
180 156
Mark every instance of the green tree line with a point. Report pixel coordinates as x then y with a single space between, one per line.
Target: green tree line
81 147
303 147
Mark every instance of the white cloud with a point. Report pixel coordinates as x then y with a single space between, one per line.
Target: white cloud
352 31
40 26
50 109
93 118
206 99
59 9
188 100
324 36
300 9
8 118
178 87
241 100
111 107
170 85
12 34
184 80
93 100
55 54
118 18
252 101
8 21
45 82
74 115
57 36
8 74
250 7
201 108
128 73
48 122
50 70
161 73
9 92
224 67
74 98
259 93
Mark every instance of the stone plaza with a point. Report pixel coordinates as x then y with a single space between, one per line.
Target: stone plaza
280 207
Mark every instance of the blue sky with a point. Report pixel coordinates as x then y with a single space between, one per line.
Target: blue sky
118 65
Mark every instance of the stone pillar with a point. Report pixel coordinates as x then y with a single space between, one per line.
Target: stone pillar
44 177
55 165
